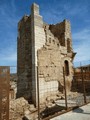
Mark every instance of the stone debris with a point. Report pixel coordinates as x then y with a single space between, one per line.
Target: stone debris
20 108
73 95
32 116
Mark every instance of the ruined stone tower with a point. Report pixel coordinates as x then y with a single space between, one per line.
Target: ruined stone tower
50 48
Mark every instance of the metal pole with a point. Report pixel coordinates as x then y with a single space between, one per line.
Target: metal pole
83 83
85 74
65 89
89 71
38 94
75 79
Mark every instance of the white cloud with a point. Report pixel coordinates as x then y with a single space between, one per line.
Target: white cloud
8 23
10 57
82 52
9 54
8 14
57 13
53 14
83 47
75 9
82 35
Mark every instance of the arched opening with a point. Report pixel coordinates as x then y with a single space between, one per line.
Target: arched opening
66 64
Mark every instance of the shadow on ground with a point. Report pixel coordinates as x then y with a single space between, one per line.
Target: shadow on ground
80 110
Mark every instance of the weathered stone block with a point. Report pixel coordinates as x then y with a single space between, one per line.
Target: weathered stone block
50 48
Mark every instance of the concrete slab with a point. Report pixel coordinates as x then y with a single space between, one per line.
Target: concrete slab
70 103
82 113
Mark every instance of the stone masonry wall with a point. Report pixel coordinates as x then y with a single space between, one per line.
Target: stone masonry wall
51 59
38 40
24 58
50 48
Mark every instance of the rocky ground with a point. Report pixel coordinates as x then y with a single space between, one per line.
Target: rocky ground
20 108
79 98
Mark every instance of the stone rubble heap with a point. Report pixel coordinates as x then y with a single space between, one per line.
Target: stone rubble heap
20 108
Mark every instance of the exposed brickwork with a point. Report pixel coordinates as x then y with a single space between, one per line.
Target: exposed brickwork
45 46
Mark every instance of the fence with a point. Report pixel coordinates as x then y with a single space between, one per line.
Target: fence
59 100
79 95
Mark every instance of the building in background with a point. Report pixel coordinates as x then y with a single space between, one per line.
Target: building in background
84 67
50 48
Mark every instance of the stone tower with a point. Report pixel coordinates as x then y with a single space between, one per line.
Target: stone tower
50 48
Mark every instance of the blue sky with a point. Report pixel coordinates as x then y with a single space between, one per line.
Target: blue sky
53 11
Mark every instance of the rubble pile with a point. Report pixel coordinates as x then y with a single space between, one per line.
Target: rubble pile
20 108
